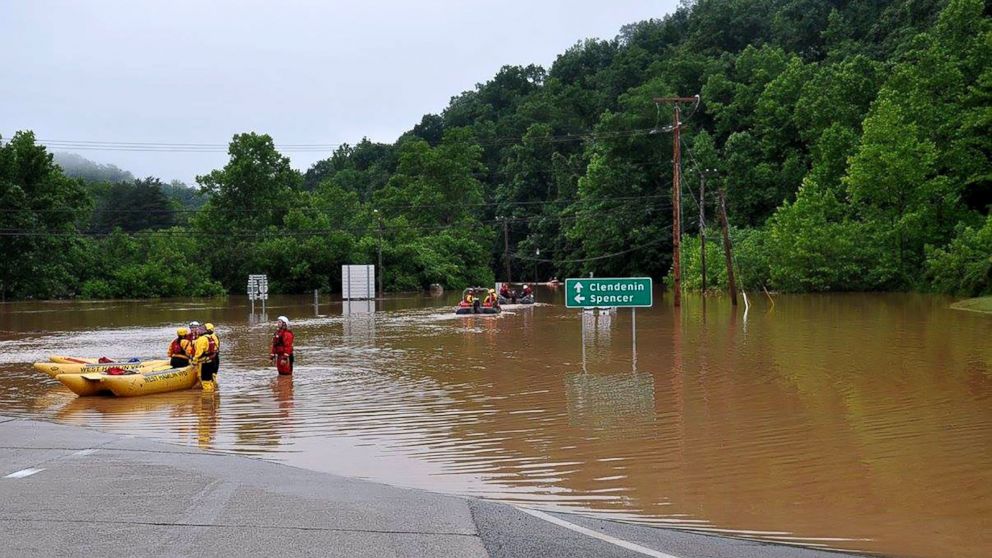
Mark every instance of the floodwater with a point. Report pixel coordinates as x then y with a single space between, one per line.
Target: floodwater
859 422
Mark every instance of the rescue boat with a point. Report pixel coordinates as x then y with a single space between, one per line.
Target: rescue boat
515 295
53 369
477 306
131 384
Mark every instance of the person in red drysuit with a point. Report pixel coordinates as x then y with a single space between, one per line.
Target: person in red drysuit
282 346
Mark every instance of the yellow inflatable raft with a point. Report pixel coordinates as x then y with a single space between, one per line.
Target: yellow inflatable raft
53 369
129 385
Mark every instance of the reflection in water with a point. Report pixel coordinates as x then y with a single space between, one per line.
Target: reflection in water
262 317
612 405
359 322
282 388
847 421
598 323
206 419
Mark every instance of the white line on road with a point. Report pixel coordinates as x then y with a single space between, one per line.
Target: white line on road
597 535
23 473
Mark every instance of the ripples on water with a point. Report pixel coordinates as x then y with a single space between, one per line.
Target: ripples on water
856 421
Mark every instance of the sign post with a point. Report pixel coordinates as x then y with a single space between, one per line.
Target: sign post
258 289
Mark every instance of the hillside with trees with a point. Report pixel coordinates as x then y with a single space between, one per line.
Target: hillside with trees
852 140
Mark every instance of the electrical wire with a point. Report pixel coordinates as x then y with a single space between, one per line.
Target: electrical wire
168 147
594 258
268 210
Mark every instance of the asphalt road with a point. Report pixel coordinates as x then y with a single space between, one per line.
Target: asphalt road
73 491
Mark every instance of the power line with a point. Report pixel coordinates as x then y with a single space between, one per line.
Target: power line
184 147
382 207
581 260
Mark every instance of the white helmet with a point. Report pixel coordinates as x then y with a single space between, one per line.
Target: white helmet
194 324
283 319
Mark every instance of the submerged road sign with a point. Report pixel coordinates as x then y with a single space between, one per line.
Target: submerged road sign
626 292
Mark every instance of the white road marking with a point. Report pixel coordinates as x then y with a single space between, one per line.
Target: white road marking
597 535
23 473
85 452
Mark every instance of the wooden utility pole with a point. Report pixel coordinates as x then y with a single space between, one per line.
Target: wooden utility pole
677 191
731 282
506 248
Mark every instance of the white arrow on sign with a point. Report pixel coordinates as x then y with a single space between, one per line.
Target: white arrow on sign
578 287
579 298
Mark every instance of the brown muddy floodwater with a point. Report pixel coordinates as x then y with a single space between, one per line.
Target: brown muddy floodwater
845 421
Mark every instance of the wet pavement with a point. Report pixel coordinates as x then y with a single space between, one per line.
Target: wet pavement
70 491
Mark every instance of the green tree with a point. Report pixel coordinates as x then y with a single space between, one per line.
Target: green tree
964 266
892 180
41 206
430 210
147 265
255 189
247 200
134 206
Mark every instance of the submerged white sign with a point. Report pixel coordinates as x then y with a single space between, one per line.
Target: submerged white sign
357 282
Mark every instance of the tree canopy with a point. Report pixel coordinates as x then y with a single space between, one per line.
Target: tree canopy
852 139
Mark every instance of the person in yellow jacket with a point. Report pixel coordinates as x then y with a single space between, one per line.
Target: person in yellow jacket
491 299
205 354
210 333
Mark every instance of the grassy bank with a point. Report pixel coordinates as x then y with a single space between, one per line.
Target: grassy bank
980 304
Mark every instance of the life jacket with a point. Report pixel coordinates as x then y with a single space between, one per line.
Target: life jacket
469 298
177 350
214 344
211 345
279 342
205 353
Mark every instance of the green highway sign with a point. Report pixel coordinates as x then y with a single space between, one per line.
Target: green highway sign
628 292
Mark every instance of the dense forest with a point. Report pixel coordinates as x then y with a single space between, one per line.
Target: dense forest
852 140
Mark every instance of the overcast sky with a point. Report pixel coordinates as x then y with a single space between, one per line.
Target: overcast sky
318 72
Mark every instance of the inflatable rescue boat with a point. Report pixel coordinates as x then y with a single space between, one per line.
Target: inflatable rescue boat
131 383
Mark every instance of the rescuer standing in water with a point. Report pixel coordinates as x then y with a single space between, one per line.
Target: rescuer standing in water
282 346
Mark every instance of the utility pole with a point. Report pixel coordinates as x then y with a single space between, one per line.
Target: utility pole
731 283
677 191
506 248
